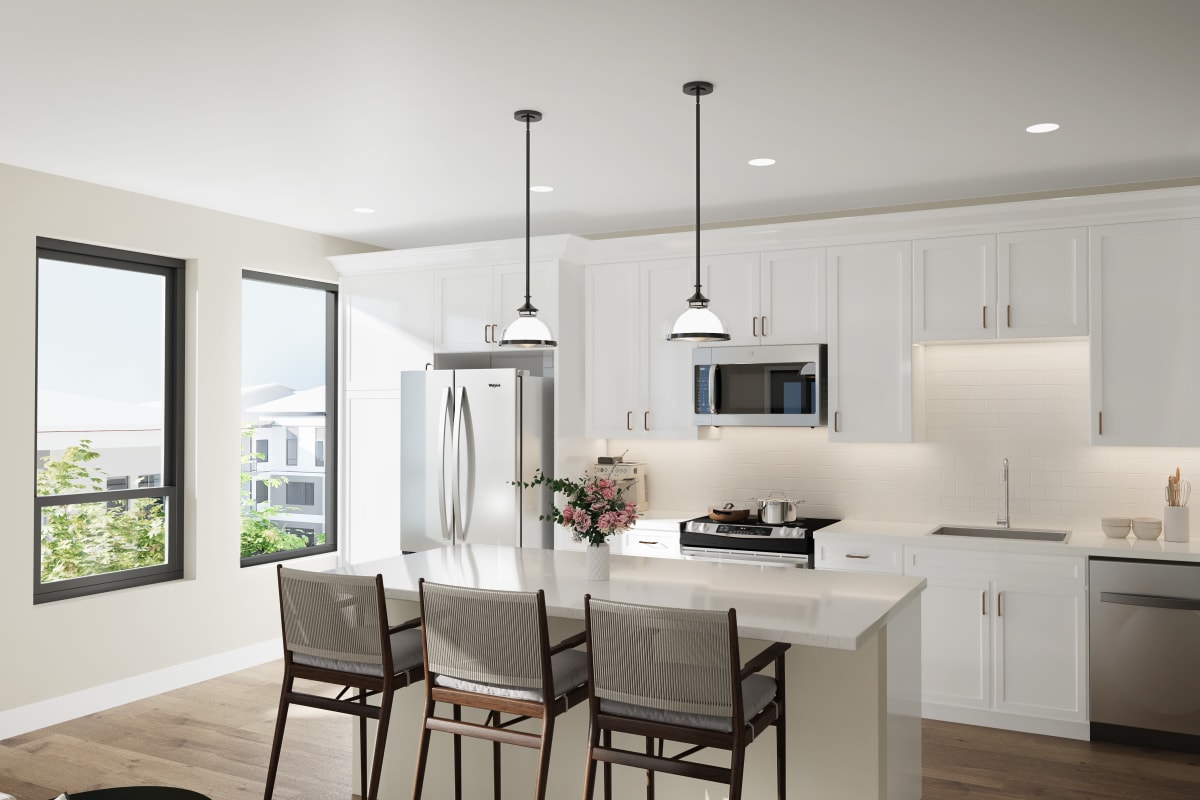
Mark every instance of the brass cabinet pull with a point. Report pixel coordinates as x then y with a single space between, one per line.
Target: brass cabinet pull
983 602
1100 414
763 326
485 334
835 422
628 420
754 326
646 421
494 339
1008 316
852 555
985 317
1000 604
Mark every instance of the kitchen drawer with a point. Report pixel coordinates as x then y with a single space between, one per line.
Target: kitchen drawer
652 543
859 555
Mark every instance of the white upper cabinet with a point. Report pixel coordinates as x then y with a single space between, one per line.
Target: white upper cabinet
638 384
387 327
473 305
1042 283
1145 371
768 298
870 342
1030 284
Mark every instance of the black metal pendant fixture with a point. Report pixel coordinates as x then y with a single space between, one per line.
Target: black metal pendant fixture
698 323
527 330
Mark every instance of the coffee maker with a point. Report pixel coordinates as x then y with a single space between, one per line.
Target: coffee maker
630 477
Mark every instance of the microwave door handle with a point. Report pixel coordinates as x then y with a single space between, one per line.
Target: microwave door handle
714 389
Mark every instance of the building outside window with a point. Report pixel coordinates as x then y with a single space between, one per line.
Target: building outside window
103 416
288 407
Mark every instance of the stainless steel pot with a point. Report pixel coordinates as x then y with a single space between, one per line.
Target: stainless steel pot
774 510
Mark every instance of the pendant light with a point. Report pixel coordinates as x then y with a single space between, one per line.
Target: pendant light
698 323
527 330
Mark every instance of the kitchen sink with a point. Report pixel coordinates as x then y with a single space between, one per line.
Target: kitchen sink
1004 533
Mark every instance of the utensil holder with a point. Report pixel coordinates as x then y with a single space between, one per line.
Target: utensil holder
1175 523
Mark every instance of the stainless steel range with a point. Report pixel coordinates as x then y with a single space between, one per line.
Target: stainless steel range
788 544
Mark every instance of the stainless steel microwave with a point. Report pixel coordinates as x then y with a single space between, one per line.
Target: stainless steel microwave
770 385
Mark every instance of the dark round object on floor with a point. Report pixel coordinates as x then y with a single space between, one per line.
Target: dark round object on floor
138 793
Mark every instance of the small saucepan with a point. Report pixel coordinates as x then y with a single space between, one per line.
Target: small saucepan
775 510
728 513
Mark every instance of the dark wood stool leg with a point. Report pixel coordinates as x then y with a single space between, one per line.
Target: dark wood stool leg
543 776
277 741
457 756
780 733
607 767
650 772
381 731
422 750
589 767
737 768
494 718
362 747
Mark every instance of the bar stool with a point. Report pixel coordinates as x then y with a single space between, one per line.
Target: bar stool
335 631
673 674
490 650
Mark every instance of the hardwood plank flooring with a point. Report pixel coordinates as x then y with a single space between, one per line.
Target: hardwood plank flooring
215 737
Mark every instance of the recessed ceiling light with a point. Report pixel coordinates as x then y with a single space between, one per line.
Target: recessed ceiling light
761 162
1042 127
364 211
541 188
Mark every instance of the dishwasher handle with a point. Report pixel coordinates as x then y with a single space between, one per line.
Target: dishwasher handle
1150 600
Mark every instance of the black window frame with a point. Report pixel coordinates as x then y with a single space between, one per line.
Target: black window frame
174 274
329 516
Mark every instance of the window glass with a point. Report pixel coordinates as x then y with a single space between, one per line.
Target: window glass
109 401
288 380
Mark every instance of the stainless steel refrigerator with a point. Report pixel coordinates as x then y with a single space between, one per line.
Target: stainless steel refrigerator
466 435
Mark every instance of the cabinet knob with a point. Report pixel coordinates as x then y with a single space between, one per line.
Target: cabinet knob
983 602
853 555
494 339
835 421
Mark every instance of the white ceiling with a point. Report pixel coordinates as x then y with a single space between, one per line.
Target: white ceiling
296 112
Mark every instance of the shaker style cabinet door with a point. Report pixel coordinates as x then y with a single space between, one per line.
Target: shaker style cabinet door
870 342
1041 284
613 337
667 369
1040 647
731 285
1145 373
792 299
387 327
954 288
462 302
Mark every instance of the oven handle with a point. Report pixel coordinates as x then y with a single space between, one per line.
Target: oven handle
742 557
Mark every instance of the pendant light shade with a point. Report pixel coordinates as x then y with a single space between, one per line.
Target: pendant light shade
527 330
698 323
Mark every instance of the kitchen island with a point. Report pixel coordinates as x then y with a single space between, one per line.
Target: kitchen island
853 672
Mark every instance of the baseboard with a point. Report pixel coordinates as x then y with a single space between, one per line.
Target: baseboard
1008 722
44 713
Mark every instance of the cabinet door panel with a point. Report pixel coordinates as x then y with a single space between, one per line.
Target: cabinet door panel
668 367
1039 646
956 642
792 292
731 284
870 342
1042 283
462 308
954 288
612 341
1145 374
387 328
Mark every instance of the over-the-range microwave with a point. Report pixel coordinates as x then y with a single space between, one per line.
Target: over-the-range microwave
766 385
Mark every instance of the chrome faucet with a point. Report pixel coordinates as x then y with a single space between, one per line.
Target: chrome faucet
1002 520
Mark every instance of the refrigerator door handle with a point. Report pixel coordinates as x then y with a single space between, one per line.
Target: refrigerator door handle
456 490
443 426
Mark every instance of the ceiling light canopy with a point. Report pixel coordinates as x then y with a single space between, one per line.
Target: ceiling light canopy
761 162
698 323
527 330
1042 127
361 210
541 188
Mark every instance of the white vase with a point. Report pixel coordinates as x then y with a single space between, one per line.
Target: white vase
1175 523
597 562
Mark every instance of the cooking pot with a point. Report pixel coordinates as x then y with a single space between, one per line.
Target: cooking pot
728 513
775 510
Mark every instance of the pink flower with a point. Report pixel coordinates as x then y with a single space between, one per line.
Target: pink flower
582 523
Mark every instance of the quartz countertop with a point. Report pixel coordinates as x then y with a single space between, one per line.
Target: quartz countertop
1080 543
804 607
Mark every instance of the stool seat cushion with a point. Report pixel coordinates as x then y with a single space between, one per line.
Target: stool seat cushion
570 671
757 692
406 655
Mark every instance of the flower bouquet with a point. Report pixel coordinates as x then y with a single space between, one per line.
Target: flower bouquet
594 509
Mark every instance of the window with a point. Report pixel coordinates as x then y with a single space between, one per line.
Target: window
289 399
300 493
102 410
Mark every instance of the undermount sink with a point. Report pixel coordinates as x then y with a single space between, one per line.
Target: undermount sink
1004 533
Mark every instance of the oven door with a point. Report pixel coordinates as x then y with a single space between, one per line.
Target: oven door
753 558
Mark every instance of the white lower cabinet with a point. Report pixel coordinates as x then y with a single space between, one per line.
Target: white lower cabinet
1003 639
843 553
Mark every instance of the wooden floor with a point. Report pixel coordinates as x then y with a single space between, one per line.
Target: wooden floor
215 737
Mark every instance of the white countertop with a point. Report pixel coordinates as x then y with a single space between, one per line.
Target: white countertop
805 607
1079 543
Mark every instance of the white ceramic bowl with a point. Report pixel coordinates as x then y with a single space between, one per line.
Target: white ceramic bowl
1115 527
1147 527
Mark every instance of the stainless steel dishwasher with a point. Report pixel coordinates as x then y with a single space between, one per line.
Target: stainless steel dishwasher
1145 653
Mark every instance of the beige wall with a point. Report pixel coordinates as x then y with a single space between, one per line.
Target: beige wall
68 646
